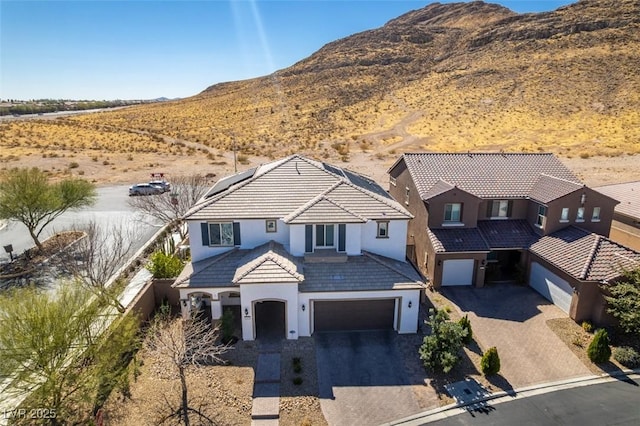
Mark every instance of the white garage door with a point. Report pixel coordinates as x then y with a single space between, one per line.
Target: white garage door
457 272
551 286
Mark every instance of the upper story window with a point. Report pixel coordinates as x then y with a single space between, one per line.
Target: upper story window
580 214
500 209
595 216
541 217
221 234
564 216
406 195
383 229
325 236
392 180
271 225
452 212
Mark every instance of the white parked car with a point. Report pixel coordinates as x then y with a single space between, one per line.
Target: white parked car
145 189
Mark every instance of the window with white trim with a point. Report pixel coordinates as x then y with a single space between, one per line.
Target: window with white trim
221 234
271 225
383 229
452 212
541 218
564 216
595 215
325 236
580 214
500 208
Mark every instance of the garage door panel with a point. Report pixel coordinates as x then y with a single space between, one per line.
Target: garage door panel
552 287
457 272
343 315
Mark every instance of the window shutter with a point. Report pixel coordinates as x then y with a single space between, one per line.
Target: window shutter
204 228
489 208
509 208
236 233
342 237
308 238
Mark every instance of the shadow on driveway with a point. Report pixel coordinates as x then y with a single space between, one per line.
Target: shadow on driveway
500 301
362 378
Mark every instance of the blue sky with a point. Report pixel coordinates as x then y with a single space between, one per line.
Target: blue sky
121 49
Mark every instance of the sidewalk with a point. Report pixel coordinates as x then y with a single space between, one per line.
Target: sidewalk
266 389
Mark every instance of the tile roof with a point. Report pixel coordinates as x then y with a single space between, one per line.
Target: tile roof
280 188
271 263
440 187
507 234
548 188
504 175
585 255
453 240
629 196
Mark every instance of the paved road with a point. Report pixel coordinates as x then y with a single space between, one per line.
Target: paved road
361 378
111 208
615 402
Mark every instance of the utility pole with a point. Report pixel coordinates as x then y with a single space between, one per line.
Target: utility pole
235 163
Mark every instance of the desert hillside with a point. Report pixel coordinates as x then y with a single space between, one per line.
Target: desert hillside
447 77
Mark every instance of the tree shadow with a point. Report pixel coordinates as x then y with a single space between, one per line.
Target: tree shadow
500 382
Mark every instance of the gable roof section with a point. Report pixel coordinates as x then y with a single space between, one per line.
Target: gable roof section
548 188
319 209
504 175
268 263
278 190
629 196
585 255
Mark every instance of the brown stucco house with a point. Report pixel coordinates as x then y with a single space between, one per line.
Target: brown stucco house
482 218
625 227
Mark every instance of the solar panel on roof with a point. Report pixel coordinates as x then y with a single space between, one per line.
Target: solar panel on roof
224 183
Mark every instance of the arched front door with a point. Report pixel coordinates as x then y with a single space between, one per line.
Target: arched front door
270 320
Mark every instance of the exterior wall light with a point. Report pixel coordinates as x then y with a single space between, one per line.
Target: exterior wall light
409 305
303 307
439 262
246 312
184 302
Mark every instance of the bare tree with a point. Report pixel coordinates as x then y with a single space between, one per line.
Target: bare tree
184 343
171 207
97 258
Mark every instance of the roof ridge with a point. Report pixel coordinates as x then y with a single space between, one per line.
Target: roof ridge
579 183
590 259
270 255
393 268
297 212
384 200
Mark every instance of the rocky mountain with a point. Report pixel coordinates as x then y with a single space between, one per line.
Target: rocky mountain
447 77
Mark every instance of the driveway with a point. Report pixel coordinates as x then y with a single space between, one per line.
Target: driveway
362 379
513 319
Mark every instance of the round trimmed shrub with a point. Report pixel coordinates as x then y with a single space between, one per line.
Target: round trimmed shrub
599 350
466 325
490 362
627 356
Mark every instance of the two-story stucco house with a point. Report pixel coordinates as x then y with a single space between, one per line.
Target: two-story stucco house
482 217
301 246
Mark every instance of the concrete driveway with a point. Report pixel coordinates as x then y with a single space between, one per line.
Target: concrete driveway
362 378
513 319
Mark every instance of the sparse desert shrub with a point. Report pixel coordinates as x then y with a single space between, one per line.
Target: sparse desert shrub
466 325
587 326
627 356
243 159
73 165
490 362
599 350
584 155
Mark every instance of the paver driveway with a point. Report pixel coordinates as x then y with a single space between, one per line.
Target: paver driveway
513 319
362 379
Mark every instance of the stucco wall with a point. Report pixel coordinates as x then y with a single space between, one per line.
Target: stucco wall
393 247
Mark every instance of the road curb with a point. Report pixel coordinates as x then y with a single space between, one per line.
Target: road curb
424 417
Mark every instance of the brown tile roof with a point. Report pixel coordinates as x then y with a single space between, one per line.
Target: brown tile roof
454 240
280 188
507 175
271 263
507 234
548 188
585 255
629 196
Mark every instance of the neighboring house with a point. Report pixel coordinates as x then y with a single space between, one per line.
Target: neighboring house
298 246
482 218
625 227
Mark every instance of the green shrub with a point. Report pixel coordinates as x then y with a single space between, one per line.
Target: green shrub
440 350
599 350
490 362
226 326
297 380
466 325
627 356
162 265
587 326
297 365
